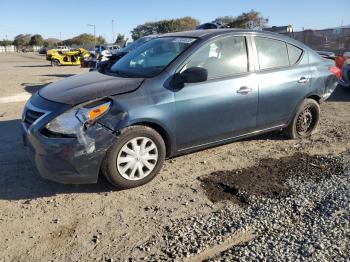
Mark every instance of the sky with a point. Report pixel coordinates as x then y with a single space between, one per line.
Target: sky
65 19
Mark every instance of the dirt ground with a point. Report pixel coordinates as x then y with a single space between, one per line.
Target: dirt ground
45 221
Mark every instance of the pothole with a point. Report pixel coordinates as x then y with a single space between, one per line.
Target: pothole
268 178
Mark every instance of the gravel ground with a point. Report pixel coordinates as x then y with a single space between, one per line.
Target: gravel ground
267 197
302 216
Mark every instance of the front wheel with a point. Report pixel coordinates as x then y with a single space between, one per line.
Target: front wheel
305 121
135 158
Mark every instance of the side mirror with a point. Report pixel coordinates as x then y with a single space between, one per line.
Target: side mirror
194 75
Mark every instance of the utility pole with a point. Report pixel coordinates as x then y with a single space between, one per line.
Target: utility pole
94 26
113 31
60 36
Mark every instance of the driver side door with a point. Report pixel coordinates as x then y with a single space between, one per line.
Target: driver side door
224 106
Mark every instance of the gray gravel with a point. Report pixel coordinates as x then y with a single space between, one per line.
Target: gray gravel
310 224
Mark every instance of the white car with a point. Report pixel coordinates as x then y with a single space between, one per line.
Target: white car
63 48
113 49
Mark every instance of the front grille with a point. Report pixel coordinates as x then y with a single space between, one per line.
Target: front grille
31 116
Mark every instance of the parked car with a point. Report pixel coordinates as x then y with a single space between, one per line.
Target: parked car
175 94
345 75
59 50
63 48
42 51
69 58
113 49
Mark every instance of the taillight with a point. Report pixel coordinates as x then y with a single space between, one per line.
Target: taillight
336 71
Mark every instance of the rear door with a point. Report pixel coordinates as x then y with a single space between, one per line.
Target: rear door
226 104
284 79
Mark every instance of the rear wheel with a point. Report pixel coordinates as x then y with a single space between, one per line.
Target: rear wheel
135 158
55 62
305 121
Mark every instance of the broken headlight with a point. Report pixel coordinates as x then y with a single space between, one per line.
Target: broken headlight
70 122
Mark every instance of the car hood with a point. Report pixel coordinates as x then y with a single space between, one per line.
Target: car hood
81 88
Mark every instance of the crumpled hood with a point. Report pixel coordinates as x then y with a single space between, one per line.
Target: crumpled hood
81 88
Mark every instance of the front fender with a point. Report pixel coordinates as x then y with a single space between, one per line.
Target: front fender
138 110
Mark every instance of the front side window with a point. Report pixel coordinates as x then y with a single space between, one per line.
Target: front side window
223 57
271 53
152 57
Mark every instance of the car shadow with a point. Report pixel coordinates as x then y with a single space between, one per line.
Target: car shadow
273 135
340 94
49 65
19 178
33 87
59 75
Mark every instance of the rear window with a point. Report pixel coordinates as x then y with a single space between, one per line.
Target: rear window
271 53
294 53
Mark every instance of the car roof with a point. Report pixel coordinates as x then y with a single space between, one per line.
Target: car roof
213 32
209 33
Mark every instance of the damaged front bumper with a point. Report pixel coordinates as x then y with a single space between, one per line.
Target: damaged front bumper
64 160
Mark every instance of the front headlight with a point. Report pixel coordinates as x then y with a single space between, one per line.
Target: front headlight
70 122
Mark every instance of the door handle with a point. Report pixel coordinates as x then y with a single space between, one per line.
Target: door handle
303 80
244 90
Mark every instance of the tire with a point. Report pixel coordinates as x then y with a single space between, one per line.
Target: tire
113 162
55 62
305 121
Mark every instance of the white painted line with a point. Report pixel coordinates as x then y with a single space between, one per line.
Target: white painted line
15 98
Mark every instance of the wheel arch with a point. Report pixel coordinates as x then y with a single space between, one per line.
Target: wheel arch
317 98
161 130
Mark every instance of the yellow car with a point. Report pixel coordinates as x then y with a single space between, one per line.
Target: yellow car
68 58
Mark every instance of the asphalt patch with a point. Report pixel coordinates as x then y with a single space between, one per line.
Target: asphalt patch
268 178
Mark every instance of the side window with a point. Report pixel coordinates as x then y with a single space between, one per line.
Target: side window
222 57
294 53
271 53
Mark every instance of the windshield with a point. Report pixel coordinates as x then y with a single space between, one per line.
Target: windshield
136 44
152 57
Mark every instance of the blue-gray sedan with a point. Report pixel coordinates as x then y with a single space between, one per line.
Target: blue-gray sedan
175 94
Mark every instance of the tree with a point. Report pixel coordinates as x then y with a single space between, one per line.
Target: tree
249 20
22 40
84 39
51 42
164 26
36 40
120 40
187 23
148 28
6 42
101 40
